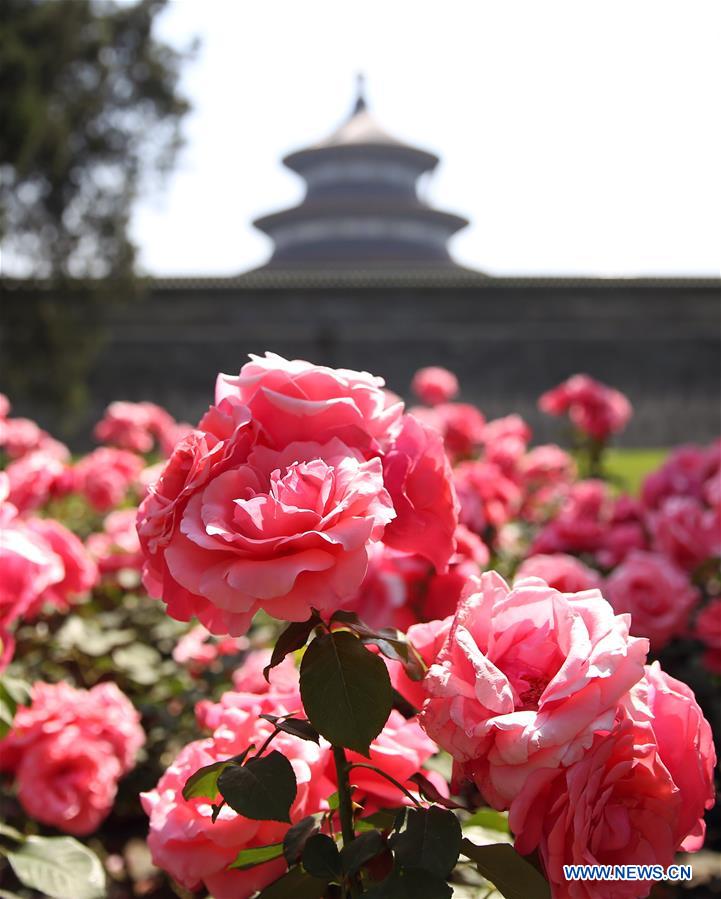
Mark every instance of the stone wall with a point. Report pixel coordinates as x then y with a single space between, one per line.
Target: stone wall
507 341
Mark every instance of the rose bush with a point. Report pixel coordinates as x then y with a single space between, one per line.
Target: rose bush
341 677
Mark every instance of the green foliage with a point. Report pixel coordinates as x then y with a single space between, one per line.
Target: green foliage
91 110
59 867
629 467
262 789
13 692
411 884
295 884
431 840
509 872
294 637
297 836
321 858
248 858
204 782
346 690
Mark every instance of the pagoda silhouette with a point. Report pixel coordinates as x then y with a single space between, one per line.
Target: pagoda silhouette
362 207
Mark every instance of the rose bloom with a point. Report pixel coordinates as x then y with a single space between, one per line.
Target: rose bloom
434 385
117 546
560 571
487 497
252 693
593 408
708 630
28 564
68 749
547 464
105 476
19 436
135 426
79 571
525 678
427 638
401 589
657 594
460 425
682 474
685 744
686 532
277 498
35 478
617 805
68 781
194 850
198 649
400 749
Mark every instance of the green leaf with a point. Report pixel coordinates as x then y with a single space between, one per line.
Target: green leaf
59 867
383 819
295 884
297 836
263 789
333 801
489 819
322 859
13 693
431 840
411 884
393 644
138 662
361 851
507 870
248 858
295 636
346 690
429 791
297 727
204 783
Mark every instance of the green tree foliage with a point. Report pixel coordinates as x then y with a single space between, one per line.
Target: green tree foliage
91 110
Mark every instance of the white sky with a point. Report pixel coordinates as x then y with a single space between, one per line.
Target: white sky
579 136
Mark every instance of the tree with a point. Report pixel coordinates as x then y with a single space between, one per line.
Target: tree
91 109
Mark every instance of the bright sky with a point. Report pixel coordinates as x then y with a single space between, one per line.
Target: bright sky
579 136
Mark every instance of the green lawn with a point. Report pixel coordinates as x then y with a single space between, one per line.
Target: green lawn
630 466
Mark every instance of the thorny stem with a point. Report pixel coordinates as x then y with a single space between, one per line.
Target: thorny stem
345 807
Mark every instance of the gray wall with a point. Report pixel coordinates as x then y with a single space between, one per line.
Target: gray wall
507 342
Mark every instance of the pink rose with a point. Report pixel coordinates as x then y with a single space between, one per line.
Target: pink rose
460 425
19 436
28 566
560 571
198 649
657 594
400 749
68 750
240 520
117 546
298 401
682 474
286 531
68 781
105 476
685 745
547 464
103 713
525 678
487 497
253 694
686 531
616 805
434 385
427 638
79 571
592 407
418 478
708 630
194 850
35 478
